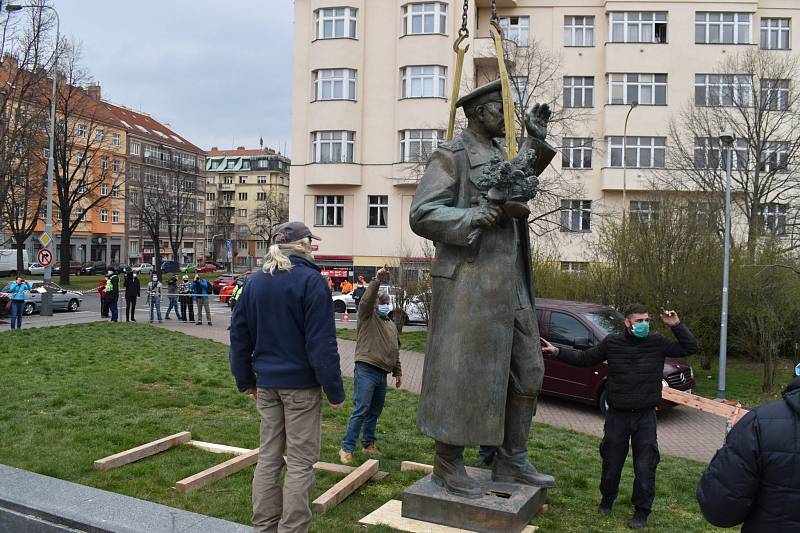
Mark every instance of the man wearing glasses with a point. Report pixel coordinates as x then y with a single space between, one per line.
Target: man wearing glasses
635 373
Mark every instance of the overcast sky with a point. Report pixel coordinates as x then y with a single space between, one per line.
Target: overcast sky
219 72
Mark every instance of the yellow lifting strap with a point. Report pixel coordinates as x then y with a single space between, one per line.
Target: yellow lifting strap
451 124
508 102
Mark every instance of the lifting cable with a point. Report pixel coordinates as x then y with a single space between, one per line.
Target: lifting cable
463 34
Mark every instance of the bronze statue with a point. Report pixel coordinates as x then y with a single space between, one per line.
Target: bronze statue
483 365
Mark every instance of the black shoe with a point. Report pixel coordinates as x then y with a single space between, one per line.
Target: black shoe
605 506
639 520
167 318
209 323
133 320
198 323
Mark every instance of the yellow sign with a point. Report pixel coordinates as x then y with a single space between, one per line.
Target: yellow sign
45 239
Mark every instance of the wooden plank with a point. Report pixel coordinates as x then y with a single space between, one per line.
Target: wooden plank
411 466
336 494
336 468
698 402
140 452
217 472
218 448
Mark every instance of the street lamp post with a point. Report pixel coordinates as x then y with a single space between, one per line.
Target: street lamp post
727 138
624 160
47 296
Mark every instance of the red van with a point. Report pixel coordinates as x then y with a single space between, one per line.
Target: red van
582 325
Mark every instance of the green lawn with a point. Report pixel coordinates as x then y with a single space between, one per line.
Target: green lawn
77 393
413 341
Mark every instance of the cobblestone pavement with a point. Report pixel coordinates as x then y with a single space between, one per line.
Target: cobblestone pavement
682 431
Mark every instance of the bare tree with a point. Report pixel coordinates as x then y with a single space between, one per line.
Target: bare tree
748 93
272 210
148 197
179 209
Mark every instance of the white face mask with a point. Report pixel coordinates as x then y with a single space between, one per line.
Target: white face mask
155 279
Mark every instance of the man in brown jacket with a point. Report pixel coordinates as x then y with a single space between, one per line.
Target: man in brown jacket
377 354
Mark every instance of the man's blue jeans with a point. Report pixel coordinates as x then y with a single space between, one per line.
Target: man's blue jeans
173 304
369 394
155 303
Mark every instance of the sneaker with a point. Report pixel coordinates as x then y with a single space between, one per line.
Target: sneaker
372 450
160 321
198 324
167 318
639 520
345 457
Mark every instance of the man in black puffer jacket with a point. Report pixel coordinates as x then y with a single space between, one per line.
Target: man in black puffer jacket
635 375
754 478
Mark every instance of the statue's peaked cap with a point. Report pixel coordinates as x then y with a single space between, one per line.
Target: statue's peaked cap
491 92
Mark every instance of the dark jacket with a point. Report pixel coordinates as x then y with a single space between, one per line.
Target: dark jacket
283 334
172 286
635 366
133 289
754 478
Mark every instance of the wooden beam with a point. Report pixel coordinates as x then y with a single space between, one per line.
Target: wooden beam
336 494
217 472
140 452
703 404
411 466
336 468
218 448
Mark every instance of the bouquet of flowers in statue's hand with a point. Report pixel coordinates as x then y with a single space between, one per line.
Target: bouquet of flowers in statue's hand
510 184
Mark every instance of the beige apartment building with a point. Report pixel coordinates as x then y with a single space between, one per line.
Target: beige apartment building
372 84
247 194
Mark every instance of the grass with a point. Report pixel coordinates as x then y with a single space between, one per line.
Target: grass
413 341
77 393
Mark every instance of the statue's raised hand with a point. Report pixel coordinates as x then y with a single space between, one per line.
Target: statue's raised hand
536 121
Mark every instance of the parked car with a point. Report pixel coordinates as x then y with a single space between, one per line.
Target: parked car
170 266
207 267
582 325
95 267
74 268
62 298
226 293
220 266
8 262
144 268
223 281
414 312
35 269
343 302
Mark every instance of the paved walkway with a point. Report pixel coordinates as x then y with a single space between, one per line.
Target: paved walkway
682 431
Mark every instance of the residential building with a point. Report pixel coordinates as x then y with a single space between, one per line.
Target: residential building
247 195
372 87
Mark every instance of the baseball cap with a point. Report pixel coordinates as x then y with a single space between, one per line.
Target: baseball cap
185 276
292 232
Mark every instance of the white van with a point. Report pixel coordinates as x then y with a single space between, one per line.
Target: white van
8 262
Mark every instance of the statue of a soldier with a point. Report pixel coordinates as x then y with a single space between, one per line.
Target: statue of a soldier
483 365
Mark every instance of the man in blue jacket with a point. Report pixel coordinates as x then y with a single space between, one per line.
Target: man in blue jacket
284 353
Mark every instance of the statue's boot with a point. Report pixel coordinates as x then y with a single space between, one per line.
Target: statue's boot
449 471
511 464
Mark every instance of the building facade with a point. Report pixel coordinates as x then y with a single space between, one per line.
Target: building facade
372 88
247 195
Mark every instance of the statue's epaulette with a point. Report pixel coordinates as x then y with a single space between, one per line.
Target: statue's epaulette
455 145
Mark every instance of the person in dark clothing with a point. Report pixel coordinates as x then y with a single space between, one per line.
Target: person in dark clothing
172 294
635 375
187 301
133 290
112 294
754 479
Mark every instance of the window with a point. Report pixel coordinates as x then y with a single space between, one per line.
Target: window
104 215
135 148
332 146
81 130
721 27
104 162
710 154
231 163
115 139
723 90
245 164
262 179
578 31
576 152
638 27
428 17
645 212
775 94
99 135
227 180
418 145
211 196
211 212
773 217
336 22
423 81
576 215
775 157
644 89
134 247
262 163
378 211
104 189
329 211
242 179
242 244
516 29
116 165
640 152
578 91
242 213
114 192
335 84
261 245
115 217
774 34
242 196
261 196
565 329
574 267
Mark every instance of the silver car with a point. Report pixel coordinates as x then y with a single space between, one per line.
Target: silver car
62 298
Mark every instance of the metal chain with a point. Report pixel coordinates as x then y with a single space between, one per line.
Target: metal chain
464 30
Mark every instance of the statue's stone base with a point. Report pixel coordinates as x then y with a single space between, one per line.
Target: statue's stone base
503 508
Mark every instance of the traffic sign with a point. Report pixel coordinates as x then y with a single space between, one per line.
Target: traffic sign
44 257
45 239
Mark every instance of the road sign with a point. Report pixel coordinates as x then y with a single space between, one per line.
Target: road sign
45 239
229 245
44 257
